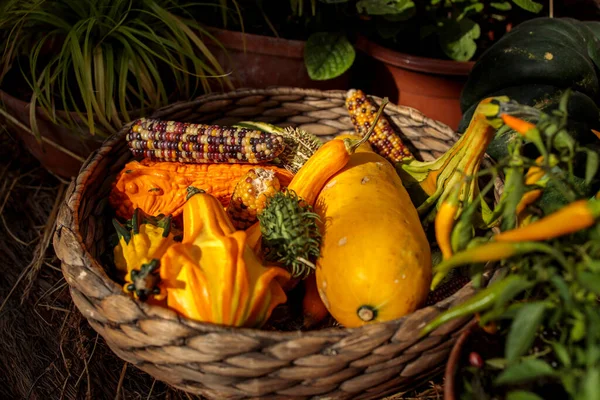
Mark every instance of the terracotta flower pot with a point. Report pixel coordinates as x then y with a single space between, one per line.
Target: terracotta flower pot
61 150
453 362
430 85
257 61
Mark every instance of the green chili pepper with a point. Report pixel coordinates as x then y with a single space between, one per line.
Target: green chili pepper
491 251
514 188
463 231
479 302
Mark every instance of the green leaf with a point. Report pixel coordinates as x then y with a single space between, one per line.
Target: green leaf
522 330
497 363
563 290
590 281
561 353
578 328
328 55
511 290
400 17
382 7
522 395
525 371
457 39
591 166
504 6
529 5
591 384
475 8
593 353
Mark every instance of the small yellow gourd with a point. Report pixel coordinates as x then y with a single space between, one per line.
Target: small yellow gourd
375 262
143 244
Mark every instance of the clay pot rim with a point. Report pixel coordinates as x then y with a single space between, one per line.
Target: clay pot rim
452 363
259 44
40 111
414 63
43 113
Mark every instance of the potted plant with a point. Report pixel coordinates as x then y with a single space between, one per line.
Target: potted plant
537 334
422 52
282 42
74 72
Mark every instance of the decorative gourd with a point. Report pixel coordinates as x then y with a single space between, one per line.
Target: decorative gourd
213 275
160 187
145 242
375 262
554 51
290 233
313 309
326 161
533 64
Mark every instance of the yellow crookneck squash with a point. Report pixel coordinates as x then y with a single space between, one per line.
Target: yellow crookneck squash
139 250
213 275
375 262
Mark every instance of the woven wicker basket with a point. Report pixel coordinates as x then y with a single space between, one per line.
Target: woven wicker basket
219 362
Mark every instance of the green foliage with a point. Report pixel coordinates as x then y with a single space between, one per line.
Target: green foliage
455 25
328 55
105 60
384 7
458 40
550 326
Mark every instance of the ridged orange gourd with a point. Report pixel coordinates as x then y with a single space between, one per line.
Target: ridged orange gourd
375 262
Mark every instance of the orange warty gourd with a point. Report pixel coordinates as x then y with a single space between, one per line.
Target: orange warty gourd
375 262
213 275
160 187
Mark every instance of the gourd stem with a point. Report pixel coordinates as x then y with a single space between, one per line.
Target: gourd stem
191 190
366 313
351 145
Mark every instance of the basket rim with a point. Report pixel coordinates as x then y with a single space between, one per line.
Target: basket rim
74 197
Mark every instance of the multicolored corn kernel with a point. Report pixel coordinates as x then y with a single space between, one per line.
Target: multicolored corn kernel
385 141
197 143
250 196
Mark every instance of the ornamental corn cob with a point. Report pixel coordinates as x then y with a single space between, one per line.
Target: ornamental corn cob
386 142
198 143
250 196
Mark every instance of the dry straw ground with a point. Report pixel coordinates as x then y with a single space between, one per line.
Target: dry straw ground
47 350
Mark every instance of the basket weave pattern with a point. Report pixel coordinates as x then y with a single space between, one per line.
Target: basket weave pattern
221 362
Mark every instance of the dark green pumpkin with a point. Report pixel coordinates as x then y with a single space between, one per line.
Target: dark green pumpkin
534 64
545 51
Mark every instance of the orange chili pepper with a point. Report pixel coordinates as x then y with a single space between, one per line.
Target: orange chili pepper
534 175
517 124
575 216
313 308
491 327
444 222
595 132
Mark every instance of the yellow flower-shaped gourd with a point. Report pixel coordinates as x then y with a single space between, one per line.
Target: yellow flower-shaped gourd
213 275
